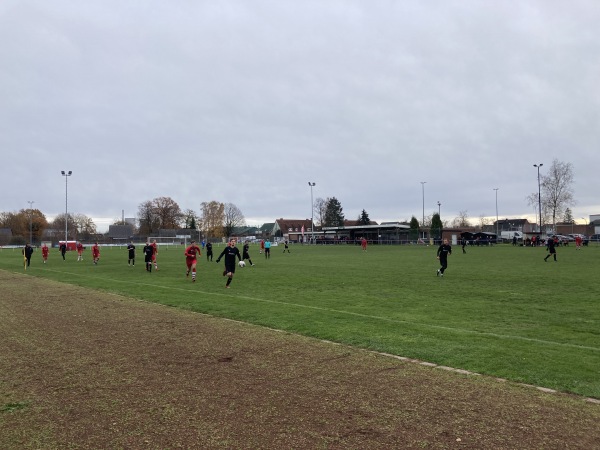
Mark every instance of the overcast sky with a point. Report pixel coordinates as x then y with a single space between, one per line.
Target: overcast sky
245 102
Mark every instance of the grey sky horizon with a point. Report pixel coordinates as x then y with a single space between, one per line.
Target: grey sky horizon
246 102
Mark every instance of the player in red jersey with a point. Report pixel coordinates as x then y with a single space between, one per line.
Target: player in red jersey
79 251
363 244
191 254
154 253
95 252
45 252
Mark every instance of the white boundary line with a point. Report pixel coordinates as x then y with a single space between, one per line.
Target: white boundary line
338 311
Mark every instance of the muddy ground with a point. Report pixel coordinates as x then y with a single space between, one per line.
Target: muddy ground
81 369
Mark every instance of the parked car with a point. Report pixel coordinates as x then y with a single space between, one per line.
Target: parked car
595 238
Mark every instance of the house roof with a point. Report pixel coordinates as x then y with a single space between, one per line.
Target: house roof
513 222
267 226
293 225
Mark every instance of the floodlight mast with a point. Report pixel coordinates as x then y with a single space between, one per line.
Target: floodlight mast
31 202
66 175
496 189
539 194
423 221
312 210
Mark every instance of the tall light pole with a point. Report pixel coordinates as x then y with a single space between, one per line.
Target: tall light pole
312 210
66 175
423 221
439 210
539 194
31 202
496 189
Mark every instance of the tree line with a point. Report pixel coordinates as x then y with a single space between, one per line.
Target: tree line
30 225
217 219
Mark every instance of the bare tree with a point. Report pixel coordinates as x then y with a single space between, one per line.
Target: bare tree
462 220
147 218
213 218
557 189
58 224
84 226
483 221
320 208
233 218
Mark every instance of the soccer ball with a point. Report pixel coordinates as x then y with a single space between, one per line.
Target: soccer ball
242 264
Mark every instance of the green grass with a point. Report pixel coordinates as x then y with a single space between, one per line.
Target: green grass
500 311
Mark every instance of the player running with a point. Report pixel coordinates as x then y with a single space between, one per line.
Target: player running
191 253
45 252
95 253
79 251
229 252
442 254
154 253
245 253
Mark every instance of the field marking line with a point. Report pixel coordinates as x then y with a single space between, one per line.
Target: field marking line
350 313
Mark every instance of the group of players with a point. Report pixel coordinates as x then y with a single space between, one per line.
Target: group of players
192 253
150 252
229 255
28 252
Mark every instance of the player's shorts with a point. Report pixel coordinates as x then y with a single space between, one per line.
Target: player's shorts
153 257
148 258
230 268
190 262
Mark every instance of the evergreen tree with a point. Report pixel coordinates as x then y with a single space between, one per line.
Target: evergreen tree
568 217
334 217
436 226
414 228
363 219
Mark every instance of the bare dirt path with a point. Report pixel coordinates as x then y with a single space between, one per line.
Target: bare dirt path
82 369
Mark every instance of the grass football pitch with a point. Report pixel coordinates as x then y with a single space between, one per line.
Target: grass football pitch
500 311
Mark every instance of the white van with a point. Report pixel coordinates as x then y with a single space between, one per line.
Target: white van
510 234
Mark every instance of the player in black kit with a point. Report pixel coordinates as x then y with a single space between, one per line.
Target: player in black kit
209 253
442 254
131 250
230 252
246 254
550 246
148 252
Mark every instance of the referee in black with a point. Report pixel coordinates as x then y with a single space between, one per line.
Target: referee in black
230 252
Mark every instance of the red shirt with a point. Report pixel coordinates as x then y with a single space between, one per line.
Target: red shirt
192 252
44 251
95 251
